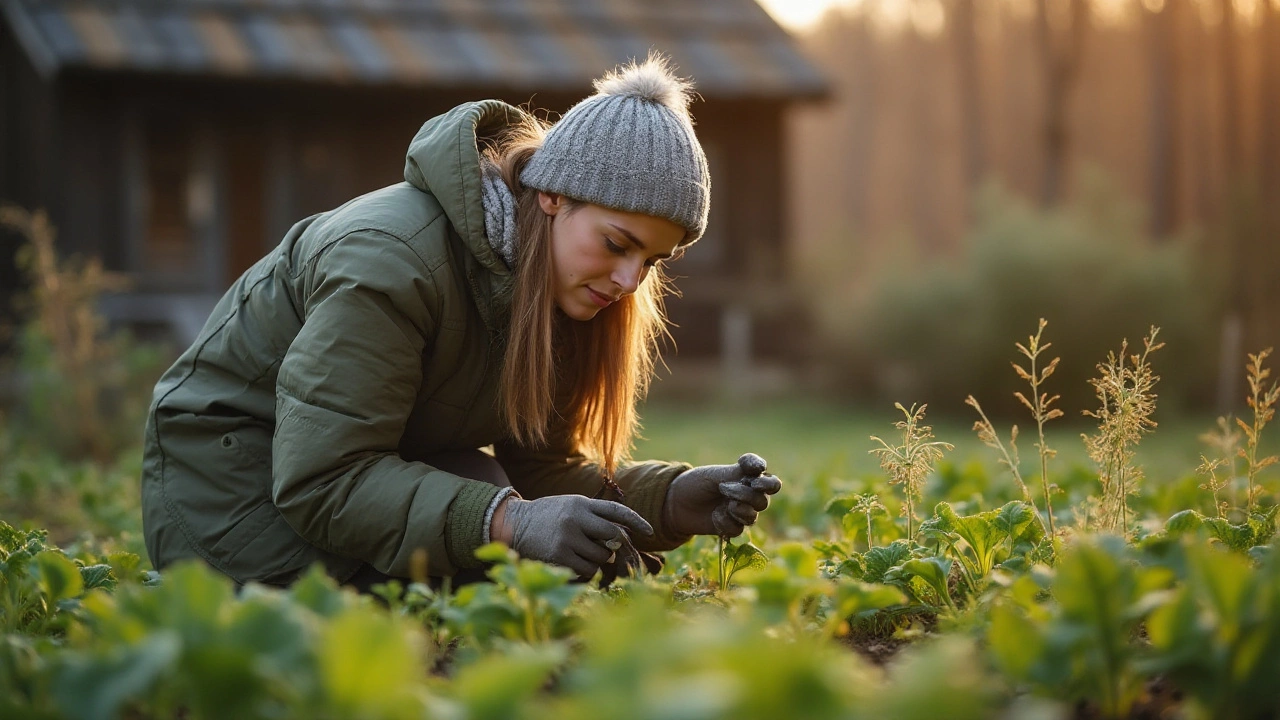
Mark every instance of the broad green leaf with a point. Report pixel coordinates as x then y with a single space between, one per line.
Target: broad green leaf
97 576
878 560
316 591
59 577
535 578
854 596
797 557
125 566
368 667
94 687
1237 537
1185 521
496 552
744 557
932 570
501 686
1015 641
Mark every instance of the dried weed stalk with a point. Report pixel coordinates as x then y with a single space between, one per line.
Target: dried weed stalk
66 334
1262 400
1008 456
909 463
1225 443
1209 468
1124 389
1041 409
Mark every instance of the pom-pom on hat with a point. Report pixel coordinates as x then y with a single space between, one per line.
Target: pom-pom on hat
631 147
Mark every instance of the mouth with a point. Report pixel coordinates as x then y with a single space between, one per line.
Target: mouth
599 299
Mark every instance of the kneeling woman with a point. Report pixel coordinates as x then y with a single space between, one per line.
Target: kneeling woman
508 293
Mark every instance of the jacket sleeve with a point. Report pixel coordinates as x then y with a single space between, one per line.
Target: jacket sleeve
558 469
344 392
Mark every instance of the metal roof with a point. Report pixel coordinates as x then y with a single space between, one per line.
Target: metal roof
730 47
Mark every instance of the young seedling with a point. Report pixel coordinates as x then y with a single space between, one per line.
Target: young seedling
1262 400
909 463
867 505
1040 407
734 558
1124 390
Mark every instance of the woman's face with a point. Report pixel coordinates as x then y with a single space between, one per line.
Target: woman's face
599 254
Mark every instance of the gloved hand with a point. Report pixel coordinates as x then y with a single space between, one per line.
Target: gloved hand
568 530
719 499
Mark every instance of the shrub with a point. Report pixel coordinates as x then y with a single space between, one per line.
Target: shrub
939 330
81 389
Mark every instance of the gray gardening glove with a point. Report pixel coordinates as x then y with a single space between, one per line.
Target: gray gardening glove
577 532
719 499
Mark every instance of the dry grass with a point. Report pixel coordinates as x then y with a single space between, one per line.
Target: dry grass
1124 388
910 462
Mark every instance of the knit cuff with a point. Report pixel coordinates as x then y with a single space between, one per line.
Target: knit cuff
493 507
464 527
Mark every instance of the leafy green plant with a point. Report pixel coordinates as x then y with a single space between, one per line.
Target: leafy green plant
527 601
1257 529
1217 636
1078 646
40 586
736 558
926 579
981 541
909 462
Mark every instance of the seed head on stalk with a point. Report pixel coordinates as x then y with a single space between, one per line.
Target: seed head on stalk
1124 391
1225 444
1262 400
909 463
1040 407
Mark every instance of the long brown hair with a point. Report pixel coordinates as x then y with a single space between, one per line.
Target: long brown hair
590 375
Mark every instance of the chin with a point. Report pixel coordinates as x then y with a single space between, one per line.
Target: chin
579 313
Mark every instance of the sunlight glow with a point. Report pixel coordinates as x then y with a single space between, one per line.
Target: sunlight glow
801 15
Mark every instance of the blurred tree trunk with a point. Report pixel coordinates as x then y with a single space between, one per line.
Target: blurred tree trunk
925 149
863 115
965 38
1162 117
1269 123
1061 26
1230 69
1268 169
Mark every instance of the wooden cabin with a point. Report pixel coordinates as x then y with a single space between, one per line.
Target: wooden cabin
179 139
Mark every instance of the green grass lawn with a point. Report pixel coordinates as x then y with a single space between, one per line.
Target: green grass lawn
802 438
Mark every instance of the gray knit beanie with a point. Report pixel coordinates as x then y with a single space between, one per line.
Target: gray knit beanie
631 147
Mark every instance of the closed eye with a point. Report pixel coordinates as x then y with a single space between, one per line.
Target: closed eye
614 247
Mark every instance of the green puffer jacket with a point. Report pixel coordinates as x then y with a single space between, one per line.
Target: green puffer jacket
293 430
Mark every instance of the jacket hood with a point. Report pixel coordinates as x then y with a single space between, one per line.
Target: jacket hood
444 160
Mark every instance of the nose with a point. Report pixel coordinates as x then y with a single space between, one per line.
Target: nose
628 275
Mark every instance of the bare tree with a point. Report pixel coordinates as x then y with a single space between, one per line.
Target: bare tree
965 42
1162 115
1230 69
1061 36
1269 107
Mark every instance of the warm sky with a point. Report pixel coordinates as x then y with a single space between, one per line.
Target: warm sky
799 14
